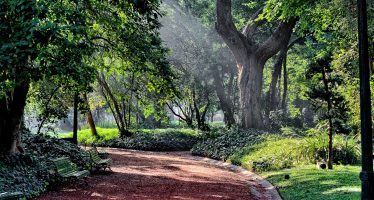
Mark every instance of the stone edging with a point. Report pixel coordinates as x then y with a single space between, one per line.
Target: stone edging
270 190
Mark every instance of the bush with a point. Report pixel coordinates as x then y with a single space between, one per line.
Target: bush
157 140
346 148
223 146
30 173
52 147
143 139
23 173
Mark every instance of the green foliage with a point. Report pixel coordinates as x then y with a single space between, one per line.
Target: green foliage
257 151
326 100
30 173
346 148
85 136
52 147
158 140
223 146
310 183
142 139
273 154
43 38
25 173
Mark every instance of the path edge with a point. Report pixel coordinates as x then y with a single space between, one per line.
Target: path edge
270 190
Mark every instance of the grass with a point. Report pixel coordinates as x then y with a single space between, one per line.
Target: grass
274 156
309 183
274 153
85 136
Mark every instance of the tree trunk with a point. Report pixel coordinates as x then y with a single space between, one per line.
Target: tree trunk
330 161
75 120
329 107
114 106
90 119
250 88
285 84
12 107
271 97
250 58
224 99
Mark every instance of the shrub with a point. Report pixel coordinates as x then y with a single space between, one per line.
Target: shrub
223 146
157 140
346 148
23 173
52 147
277 152
143 139
30 173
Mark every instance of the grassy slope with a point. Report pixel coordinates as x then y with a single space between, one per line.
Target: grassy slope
309 183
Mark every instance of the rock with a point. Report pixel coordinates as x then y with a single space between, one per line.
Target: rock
287 176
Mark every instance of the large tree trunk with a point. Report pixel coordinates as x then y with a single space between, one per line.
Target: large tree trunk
250 58
250 88
12 107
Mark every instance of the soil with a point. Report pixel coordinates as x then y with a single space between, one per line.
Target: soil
159 176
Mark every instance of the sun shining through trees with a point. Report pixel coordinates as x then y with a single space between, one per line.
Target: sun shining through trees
271 86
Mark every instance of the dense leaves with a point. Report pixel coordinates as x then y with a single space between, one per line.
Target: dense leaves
223 146
144 139
33 173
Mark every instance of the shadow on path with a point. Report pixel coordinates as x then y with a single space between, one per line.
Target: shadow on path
153 175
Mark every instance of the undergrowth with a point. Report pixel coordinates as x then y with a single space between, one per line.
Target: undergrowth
143 139
32 172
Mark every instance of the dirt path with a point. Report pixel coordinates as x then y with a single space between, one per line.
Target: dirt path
160 176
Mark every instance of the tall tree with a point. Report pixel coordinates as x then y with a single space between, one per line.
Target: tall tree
251 57
327 101
34 44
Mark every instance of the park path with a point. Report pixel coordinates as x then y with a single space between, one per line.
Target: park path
139 175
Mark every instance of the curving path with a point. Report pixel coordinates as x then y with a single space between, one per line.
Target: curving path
160 176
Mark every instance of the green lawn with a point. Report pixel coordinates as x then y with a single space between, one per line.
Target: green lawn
310 183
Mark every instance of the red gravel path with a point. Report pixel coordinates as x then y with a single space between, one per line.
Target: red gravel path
159 176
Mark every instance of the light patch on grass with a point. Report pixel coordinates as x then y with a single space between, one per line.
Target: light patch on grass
310 183
272 154
345 189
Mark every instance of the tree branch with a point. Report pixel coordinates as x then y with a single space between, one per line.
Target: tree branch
225 26
274 43
176 114
251 28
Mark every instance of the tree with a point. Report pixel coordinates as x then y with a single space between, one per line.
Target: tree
251 57
89 116
204 64
327 101
57 39
34 45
